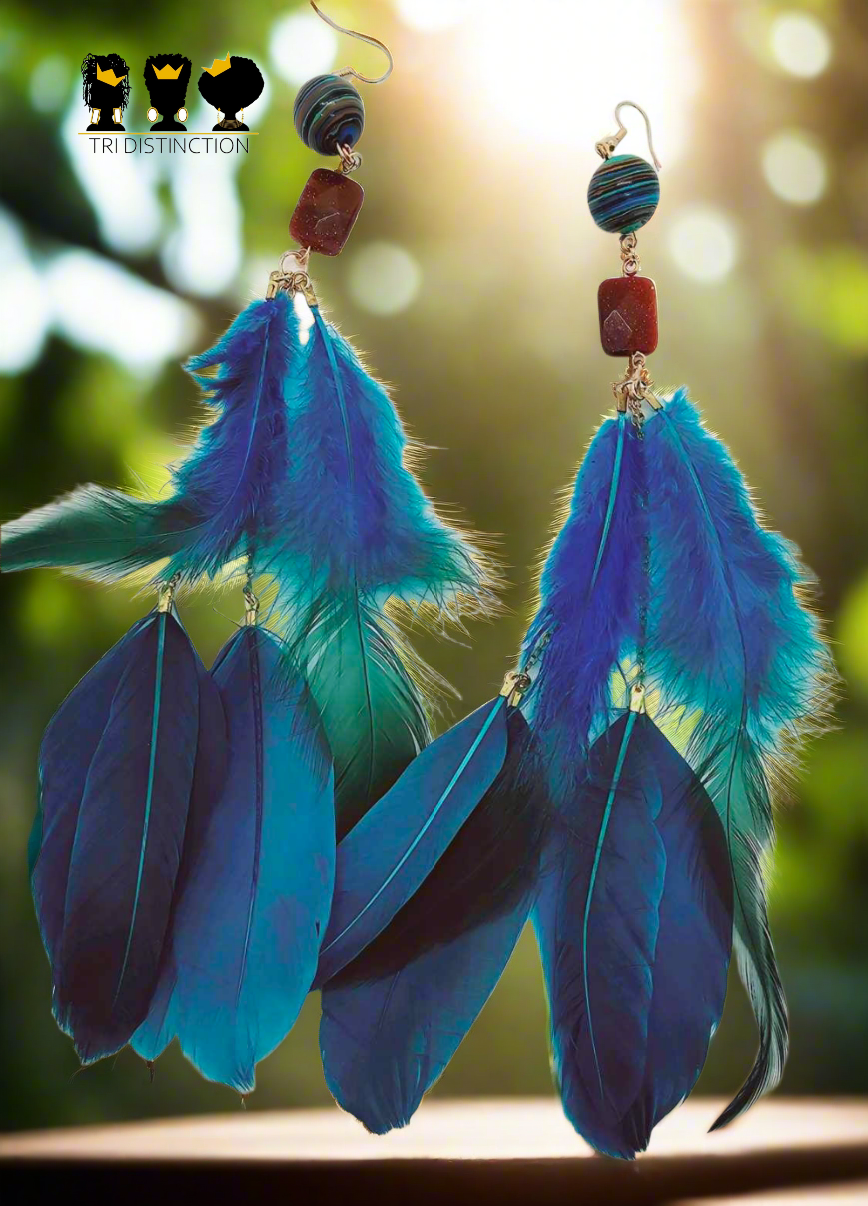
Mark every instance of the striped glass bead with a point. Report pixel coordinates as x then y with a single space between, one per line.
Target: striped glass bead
623 194
329 113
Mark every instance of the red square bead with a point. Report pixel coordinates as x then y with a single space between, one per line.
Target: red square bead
628 315
326 211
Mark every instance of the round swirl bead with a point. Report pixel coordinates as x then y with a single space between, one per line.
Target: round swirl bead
329 113
623 194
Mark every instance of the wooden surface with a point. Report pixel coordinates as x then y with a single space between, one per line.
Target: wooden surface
508 1150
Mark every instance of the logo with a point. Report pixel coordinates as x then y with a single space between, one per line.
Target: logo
229 85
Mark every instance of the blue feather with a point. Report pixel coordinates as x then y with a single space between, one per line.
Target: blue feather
384 859
358 531
68 746
227 491
670 578
634 922
588 615
394 1017
303 477
258 877
755 673
128 837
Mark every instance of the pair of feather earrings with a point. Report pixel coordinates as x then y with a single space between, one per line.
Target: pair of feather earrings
211 846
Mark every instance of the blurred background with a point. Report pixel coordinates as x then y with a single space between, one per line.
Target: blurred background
470 284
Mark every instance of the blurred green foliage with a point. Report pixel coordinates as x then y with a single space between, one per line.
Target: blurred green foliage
497 367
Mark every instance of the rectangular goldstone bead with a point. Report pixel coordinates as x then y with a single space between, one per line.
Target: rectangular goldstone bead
628 315
326 212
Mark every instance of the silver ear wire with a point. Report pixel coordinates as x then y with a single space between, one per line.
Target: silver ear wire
606 146
352 33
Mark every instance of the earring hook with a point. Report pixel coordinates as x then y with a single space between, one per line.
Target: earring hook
352 33
606 146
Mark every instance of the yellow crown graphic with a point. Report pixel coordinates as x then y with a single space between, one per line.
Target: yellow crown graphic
219 66
167 72
108 77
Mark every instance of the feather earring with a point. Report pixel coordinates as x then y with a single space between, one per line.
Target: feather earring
677 667
303 480
670 669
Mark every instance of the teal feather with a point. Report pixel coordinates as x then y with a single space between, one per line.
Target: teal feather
733 646
305 478
256 884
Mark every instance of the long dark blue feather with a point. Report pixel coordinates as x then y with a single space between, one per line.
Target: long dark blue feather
752 675
249 921
384 859
68 746
634 922
128 839
394 1017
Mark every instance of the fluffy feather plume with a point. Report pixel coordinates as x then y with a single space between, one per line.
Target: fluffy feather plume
359 538
588 612
732 642
226 494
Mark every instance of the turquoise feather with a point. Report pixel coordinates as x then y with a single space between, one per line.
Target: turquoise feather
732 642
257 881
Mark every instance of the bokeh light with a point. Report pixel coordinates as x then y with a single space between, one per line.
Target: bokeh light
100 306
202 255
794 168
800 44
24 311
49 83
704 243
535 80
300 46
383 278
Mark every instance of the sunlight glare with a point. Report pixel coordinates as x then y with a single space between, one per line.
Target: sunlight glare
553 74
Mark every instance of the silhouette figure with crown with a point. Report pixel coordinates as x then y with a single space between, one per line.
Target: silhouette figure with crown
230 85
106 91
166 79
